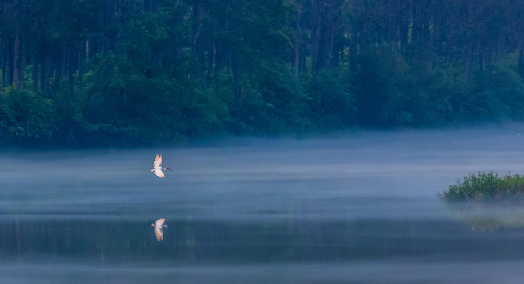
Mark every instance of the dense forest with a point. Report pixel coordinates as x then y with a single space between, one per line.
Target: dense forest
157 72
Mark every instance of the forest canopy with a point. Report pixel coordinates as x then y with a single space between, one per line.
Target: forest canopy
156 72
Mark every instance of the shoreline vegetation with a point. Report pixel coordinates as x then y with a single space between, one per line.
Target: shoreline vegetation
487 201
485 187
108 73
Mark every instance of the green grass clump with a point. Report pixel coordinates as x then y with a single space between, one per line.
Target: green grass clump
485 187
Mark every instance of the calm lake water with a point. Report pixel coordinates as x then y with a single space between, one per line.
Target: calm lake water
356 209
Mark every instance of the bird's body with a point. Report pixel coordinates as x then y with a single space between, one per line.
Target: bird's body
157 167
159 228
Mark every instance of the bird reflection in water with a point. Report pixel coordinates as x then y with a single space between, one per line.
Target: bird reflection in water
159 228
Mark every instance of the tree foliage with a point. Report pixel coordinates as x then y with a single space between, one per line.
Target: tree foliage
142 72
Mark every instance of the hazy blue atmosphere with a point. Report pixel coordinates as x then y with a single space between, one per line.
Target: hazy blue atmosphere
261 141
348 209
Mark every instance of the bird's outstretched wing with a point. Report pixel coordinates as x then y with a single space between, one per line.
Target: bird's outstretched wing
159 173
158 161
158 166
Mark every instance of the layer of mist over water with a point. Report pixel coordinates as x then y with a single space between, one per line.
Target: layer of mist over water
356 209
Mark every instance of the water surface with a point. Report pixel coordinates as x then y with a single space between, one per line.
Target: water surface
353 209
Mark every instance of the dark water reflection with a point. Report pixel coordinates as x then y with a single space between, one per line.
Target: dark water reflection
207 242
352 210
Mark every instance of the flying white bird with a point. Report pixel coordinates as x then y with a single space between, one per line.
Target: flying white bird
157 167
159 228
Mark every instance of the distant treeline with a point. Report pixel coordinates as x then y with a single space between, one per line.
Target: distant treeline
146 72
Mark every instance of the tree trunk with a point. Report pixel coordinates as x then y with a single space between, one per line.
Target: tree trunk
23 62
302 59
197 28
16 65
210 60
87 49
298 43
316 36
237 90
353 46
81 58
70 75
482 60
47 68
43 73
58 71
467 60
521 59
296 59
468 48
216 64
3 61
34 63
336 52
9 63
